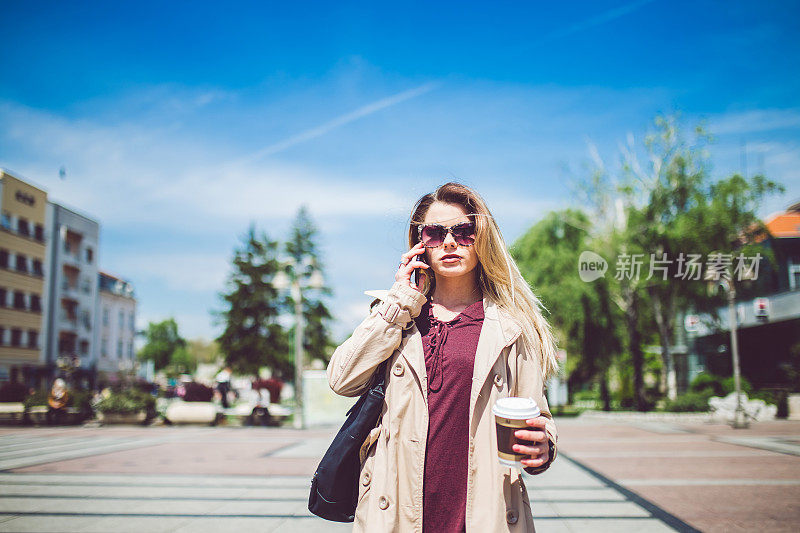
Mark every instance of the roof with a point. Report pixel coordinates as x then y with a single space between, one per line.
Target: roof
784 225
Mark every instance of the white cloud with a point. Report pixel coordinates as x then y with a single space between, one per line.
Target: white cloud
753 121
179 271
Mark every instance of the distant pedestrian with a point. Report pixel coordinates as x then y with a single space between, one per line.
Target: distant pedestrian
57 402
467 332
224 384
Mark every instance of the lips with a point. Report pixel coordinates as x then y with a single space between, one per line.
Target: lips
450 257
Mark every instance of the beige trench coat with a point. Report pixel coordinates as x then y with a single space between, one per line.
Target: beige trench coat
393 456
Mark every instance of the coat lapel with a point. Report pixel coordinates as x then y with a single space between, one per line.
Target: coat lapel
498 331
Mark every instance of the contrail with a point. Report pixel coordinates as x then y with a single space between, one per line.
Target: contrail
322 129
602 18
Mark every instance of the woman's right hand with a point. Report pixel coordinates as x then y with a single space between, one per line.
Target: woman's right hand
408 263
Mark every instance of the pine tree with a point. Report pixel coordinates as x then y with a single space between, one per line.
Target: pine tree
253 336
302 249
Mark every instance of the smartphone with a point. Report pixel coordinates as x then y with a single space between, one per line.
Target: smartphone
419 274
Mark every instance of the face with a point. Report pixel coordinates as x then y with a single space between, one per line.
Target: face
450 259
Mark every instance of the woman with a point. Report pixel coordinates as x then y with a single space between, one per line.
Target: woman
470 332
57 402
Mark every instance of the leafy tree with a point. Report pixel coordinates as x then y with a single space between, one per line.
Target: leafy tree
180 362
547 255
253 336
302 249
162 341
203 351
685 213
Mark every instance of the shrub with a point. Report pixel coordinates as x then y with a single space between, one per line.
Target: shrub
710 382
13 392
197 392
729 386
39 397
127 402
690 402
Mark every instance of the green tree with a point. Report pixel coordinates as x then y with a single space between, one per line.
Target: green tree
203 351
253 336
162 340
302 249
586 325
685 213
180 362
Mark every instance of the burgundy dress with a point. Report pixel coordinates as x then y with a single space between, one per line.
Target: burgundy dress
449 359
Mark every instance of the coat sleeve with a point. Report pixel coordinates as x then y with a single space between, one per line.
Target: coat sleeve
373 341
531 385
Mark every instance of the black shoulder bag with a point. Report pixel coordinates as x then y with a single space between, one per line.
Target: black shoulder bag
334 487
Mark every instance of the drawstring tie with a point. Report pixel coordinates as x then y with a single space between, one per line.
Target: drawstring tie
438 340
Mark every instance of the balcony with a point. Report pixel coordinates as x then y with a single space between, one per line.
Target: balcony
68 288
68 322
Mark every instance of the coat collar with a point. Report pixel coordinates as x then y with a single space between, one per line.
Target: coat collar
499 330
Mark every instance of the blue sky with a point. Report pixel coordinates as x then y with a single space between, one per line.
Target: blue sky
179 123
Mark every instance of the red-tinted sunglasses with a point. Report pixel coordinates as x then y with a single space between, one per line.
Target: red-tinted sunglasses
433 235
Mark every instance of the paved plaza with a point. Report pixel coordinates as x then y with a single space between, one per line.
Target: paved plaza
611 476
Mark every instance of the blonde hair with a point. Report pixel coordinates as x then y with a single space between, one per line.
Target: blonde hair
498 275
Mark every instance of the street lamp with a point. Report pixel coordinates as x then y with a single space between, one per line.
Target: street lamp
739 418
296 284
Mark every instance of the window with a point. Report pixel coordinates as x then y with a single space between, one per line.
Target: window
5 221
104 347
37 268
119 349
89 255
105 316
2 336
22 263
86 319
84 347
33 338
130 350
794 276
133 324
16 337
38 232
4 258
121 320
23 228
36 303
3 298
19 300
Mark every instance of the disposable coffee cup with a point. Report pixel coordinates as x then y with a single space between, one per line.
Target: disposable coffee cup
510 415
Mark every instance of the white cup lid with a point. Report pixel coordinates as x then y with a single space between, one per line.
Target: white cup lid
516 407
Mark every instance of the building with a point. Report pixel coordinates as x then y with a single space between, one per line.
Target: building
767 313
23 247
117 325
71 293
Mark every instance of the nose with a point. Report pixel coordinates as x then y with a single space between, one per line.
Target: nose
449 241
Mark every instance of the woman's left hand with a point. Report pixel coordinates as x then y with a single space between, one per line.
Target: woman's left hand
538 448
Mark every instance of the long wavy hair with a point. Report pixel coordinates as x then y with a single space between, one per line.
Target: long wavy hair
498 275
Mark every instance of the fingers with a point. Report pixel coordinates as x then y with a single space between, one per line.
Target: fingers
538 422
413 252
536 461
533 436
533 451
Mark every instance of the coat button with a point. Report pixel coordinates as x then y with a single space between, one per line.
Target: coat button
383 502
498 380
365 479
398 370
511 516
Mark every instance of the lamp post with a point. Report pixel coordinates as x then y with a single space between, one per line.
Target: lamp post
312 280
739 418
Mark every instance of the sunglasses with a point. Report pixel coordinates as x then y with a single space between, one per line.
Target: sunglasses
433 235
